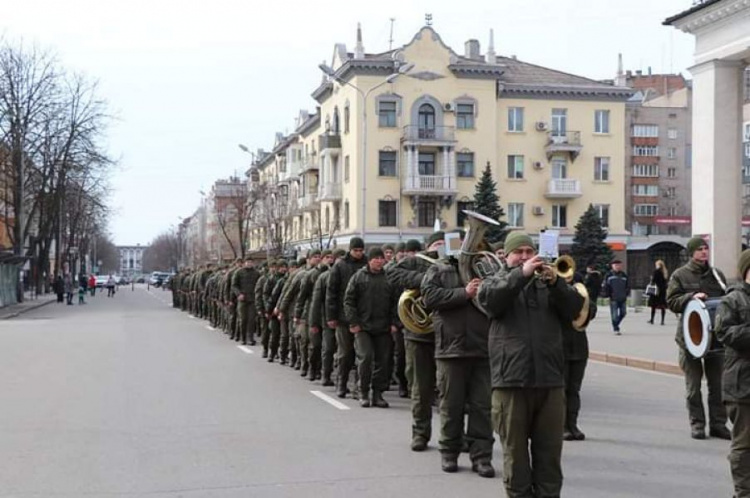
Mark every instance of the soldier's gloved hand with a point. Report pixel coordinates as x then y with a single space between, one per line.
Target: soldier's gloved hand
700 295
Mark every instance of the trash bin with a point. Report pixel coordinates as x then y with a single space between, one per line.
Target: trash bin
636 299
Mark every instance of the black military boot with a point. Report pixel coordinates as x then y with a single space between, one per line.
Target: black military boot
449 462
327 381
265 354
483 468
720 432
577 434
377 400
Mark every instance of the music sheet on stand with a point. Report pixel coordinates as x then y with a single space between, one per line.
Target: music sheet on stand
549 244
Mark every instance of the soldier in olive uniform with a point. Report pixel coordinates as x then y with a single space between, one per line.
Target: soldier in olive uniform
230 303
697 279
341 272
526 314
260 308
370 311
419 348
243 285
319 329
279 331
461 333
285 307
732 326
302 308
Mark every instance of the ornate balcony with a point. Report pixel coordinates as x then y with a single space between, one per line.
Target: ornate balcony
310 164
563 188
569 141
309 202
429 185
330 192
437 135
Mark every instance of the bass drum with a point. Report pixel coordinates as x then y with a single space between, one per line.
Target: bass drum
698 325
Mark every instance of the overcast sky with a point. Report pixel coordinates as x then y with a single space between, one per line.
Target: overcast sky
189 81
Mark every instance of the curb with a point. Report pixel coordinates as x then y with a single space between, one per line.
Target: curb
25 310
633 362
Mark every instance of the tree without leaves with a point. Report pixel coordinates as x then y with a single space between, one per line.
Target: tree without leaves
163 254
589 246
487 202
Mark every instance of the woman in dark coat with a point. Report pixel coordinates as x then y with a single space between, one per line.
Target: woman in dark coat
59 288
659 300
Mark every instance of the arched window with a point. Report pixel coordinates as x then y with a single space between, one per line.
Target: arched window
426 121
347 116
336 121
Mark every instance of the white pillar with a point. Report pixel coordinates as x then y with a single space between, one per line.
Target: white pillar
717 119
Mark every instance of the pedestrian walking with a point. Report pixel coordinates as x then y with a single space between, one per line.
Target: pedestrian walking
617 288
657 291
68 287
59 287
111 286
92 284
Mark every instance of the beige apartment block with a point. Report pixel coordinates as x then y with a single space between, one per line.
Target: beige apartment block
400 139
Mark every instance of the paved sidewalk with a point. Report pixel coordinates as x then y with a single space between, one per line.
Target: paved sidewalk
641 344
13 310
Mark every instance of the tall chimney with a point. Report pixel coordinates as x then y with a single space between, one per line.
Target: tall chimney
359 49
471 49
491 56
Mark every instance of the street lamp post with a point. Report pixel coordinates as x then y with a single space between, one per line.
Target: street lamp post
364 94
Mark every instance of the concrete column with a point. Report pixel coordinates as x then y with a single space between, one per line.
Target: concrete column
717 162
412 168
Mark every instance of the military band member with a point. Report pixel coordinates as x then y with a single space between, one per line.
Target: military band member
526 313
338 279
243 286
697 279
461 333
370 311
732 326
389 251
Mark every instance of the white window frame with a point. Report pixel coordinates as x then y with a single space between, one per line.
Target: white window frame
603 211
646 209
671 152
645 131
557 209
672 172
601 169
515 214
646 150
646 190
646 170
672 133
601 121
515 119
518 167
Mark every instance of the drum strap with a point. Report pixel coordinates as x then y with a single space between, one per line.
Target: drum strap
718 279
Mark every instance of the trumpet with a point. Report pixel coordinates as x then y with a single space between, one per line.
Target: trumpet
563 267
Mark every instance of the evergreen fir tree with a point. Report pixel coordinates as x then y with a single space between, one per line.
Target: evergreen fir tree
588 243
487 202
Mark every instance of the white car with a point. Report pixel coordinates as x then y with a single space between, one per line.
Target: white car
101 280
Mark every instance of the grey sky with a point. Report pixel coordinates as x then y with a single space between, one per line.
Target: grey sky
189 81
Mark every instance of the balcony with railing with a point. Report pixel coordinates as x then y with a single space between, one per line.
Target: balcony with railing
429 185
308 202
563 142
563 188
433 135
329 141
309 164
330 192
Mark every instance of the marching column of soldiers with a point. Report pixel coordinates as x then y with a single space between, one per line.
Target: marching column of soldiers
333 316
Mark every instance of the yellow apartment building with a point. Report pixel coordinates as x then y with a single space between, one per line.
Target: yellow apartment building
400 139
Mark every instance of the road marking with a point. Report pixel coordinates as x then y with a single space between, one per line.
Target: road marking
210 327
330 400
245 349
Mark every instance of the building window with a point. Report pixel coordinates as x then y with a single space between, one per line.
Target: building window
515 214
387 163
646 190
645 131
671 153
601 169
515 167
646 209
387 114
347 116
346 169
559 122
646 150
515 119
671 192
465 116
746 133
672 211
601 121
559 215
671 172
462 206
426 213
603 211
426 164
465 164
672 133
346 214
646 170
387 212
747 149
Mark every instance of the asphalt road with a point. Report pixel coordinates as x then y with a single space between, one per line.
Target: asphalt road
128 397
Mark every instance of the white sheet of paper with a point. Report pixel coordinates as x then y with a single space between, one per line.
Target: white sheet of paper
548 244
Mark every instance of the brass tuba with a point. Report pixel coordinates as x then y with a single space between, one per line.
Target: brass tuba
473 262
412 311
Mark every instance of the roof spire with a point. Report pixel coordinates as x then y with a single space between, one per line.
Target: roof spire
491 56
359 50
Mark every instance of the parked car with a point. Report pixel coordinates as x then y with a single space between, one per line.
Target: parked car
122 280
101 281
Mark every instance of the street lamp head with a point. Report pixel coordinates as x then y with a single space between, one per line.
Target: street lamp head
243 147
327 70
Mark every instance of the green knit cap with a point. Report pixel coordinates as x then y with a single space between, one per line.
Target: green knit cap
514 240
744 263
694 244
